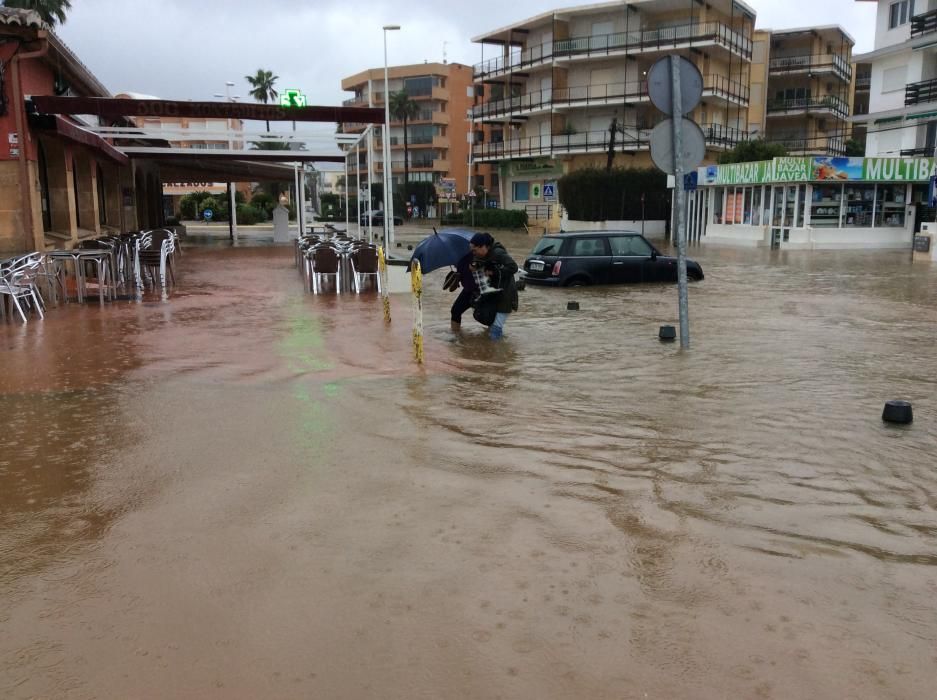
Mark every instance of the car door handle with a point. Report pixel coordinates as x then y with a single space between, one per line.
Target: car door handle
618 263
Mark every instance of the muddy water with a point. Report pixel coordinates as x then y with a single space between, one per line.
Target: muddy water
248 492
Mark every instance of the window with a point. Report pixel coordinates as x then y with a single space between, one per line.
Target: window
102 201
521 191
494 180
589 247
630 246
894 79
416 87
900 13
548 246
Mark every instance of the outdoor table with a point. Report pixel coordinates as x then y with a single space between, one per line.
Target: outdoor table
102 257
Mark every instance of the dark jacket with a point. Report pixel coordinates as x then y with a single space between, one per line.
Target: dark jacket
464 268
504 268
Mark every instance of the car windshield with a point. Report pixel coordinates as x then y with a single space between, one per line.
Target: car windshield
548 246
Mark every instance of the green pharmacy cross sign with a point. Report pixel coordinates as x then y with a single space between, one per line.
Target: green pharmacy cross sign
292 98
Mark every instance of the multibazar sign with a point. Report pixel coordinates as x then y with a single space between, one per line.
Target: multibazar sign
819 169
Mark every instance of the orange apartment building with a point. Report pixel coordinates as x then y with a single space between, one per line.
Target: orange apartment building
437 139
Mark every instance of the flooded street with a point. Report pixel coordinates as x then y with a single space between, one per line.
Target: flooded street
251 492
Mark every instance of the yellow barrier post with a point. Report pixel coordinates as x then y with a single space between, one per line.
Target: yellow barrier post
416 284
382 269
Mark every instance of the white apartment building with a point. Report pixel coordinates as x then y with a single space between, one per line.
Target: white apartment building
902 97
549 87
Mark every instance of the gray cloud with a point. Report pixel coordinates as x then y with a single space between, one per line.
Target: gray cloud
186 49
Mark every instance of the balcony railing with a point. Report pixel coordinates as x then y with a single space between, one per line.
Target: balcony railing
863 82
803 145
713 86
603 44
821 63
919 151
828 103
924 23
920 93
631 139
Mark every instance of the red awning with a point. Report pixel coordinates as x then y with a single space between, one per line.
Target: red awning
73 132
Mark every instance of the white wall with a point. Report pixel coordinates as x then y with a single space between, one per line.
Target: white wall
654 229
889 37
736 235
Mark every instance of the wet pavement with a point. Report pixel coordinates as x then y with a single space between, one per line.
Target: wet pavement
251 492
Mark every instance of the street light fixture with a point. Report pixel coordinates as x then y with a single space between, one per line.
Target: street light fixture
388 180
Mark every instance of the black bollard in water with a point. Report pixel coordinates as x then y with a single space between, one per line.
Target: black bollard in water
667 333
898 412
572 306
409 247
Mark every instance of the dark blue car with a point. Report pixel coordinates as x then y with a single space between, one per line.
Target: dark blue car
601 257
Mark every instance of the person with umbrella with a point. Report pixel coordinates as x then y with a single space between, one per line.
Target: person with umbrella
500 268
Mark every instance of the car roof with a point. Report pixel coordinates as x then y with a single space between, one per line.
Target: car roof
577 234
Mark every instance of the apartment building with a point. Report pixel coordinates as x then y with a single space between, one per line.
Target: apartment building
902 99
862 83
801 89
549 88
437 139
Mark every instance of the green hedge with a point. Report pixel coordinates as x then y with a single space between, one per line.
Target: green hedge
593 194
489 218
249 214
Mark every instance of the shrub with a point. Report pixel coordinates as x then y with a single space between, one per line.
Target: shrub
249 214
264 201
592 194
488 218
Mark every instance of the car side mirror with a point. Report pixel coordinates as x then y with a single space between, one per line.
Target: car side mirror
653 255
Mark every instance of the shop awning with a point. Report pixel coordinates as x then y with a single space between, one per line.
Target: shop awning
923 115
198 169
61 126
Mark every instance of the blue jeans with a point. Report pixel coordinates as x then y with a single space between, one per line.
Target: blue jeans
497 328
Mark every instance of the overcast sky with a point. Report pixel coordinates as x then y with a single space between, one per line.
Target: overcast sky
187 49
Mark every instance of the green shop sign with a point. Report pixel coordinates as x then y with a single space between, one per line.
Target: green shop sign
819 169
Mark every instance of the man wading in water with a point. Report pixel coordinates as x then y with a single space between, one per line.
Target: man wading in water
492 308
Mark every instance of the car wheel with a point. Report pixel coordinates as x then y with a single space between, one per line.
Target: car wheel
577 282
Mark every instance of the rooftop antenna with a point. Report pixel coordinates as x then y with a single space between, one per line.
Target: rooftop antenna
444 59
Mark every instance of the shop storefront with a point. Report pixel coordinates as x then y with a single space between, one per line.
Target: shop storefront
820 202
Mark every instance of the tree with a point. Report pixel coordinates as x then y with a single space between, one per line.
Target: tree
758 149
404 109
52 11
262 88
855 147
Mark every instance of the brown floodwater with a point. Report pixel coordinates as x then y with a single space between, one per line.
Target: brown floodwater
250 492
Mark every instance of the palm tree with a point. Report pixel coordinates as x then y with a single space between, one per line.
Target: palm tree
262 88
404 109
51 11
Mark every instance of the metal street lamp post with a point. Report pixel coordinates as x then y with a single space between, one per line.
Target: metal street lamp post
232 206
388 179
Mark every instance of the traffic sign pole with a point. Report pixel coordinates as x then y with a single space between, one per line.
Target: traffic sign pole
679 200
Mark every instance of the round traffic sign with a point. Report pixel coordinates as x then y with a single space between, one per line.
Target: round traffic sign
692 153
208 214
660 85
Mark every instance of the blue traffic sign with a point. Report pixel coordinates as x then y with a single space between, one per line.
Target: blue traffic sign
549 190
690 181
208 214
932 191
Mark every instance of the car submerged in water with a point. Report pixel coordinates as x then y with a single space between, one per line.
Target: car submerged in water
601 257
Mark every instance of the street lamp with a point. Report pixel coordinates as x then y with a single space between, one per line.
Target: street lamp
232 206
388 188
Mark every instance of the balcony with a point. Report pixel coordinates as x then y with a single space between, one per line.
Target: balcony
803 146
920 93
924 23
920 151
440 142
863 83
714 86
811 65
621 43
800 105
631 139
